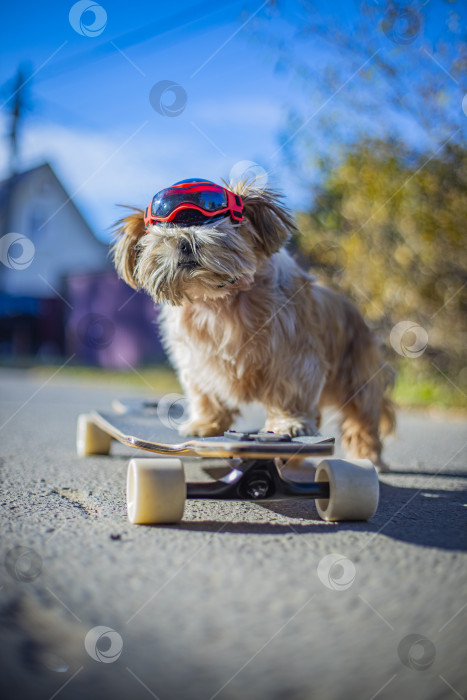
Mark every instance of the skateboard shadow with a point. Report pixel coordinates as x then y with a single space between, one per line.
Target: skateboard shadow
253 528
438 474
429 517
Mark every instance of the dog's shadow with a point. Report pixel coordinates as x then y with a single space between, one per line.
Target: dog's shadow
430 517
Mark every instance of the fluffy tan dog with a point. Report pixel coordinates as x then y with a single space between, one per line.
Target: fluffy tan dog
242 322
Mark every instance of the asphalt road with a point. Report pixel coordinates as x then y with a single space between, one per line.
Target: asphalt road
240 599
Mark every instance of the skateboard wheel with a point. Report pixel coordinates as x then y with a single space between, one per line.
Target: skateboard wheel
91 440
156 491
353 489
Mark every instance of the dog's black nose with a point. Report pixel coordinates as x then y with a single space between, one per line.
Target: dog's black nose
186 255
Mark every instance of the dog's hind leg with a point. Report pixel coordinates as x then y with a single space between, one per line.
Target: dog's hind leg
366 417
360 433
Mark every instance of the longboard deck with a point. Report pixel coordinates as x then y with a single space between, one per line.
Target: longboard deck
137 424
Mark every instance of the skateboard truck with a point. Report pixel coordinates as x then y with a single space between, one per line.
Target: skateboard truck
157 491
256 480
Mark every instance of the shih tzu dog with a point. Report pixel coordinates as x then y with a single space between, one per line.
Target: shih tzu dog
242 322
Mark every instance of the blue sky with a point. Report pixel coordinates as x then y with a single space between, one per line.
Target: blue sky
91 115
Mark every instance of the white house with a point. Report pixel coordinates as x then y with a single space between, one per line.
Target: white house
43 236
59 293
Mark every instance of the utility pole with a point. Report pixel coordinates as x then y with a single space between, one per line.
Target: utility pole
15 104
18 102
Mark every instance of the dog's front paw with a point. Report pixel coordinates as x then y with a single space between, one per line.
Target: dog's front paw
197 428
291 426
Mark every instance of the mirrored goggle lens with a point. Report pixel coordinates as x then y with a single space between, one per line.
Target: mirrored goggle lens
165 202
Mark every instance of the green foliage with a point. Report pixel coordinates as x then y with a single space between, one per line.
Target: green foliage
390 231
378 68
157 379
417 387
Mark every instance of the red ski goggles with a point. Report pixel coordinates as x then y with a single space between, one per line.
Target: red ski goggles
193 202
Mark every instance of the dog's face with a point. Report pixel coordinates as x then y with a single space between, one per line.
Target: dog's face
202 262
196 262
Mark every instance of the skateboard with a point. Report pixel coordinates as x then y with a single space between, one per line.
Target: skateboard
157 489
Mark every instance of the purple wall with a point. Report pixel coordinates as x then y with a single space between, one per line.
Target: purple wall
110 324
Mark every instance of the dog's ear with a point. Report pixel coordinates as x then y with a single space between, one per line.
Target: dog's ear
271 223
129 230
